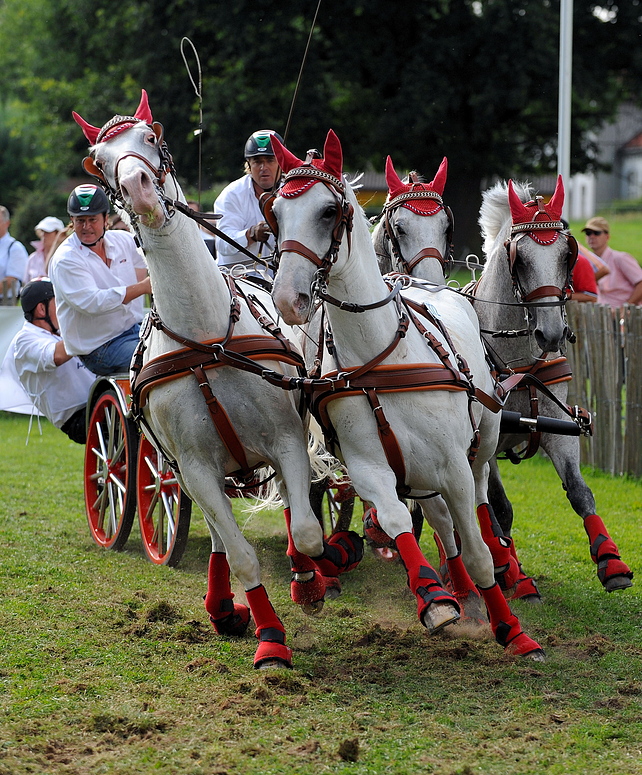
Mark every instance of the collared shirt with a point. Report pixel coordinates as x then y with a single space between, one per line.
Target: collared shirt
56 391
625 273
240 209
13 258
89 294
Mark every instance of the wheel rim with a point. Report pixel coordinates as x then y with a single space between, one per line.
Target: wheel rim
108 471
159 503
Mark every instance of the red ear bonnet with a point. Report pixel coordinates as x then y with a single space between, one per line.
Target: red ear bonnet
420 206
538 212
117 124
332 163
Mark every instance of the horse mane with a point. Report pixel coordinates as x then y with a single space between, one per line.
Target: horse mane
494 214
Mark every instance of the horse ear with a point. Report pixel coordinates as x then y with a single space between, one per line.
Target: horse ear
143 112
439 183
90 132
287 160
333 155
557 200
517 209
395 185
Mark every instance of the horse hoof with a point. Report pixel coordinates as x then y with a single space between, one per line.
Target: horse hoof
312 609
439 615
332 587
473 609
617 582
271 664
235 623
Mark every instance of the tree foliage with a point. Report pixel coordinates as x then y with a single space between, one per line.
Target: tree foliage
475 80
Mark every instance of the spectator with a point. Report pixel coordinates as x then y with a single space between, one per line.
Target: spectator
208 237
586 271
47 231
57 383
13 259
623 284
100 279
238 203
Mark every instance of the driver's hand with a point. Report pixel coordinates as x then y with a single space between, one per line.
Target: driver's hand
260 232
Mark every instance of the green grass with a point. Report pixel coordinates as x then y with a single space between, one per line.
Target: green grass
108 663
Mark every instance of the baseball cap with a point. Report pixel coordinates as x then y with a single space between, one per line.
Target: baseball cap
597 224
50 224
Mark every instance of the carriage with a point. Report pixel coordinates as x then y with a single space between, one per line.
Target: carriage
124 474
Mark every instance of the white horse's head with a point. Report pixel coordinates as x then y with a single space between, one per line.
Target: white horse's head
129 156
311 215
414 234
539 256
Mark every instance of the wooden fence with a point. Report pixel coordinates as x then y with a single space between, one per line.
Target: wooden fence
607 380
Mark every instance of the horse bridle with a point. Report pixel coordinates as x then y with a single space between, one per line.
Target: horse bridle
165 167
342 227
408 265
521 230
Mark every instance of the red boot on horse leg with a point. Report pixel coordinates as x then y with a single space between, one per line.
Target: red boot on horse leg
526 588
506 627
611 571
456 580
506 566
271 651
436 608
342 552
227 617
307 587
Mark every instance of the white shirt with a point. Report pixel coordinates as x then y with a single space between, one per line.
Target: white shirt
56 391
240 208
89 294
13 259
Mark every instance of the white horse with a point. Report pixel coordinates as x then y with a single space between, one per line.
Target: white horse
391 386
519 300
414 235
250 421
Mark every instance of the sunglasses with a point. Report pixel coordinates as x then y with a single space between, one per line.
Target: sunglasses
592 233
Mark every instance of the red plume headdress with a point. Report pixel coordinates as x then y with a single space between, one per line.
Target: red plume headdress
420 198
540 221
116 124
301 175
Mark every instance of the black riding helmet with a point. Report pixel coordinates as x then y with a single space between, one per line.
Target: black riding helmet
259 143
87 199
33 293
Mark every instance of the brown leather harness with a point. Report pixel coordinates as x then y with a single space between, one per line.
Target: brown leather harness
375 377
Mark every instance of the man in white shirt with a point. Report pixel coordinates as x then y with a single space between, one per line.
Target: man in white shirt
100 279
13 257
238 203
57 383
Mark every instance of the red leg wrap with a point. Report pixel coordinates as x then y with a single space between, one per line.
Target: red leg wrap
227 617
423 580
341 553
604 551
505 625
526 588
307 590
373 531
506 566
465 591
269 630
443 565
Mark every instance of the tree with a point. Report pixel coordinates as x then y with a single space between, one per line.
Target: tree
474 80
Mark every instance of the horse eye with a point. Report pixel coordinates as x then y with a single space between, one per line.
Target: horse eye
329 212
151 138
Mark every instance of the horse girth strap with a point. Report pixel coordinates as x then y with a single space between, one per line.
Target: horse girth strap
222 422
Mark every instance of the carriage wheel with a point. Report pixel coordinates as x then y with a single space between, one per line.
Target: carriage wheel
333 504
110 466
164 510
